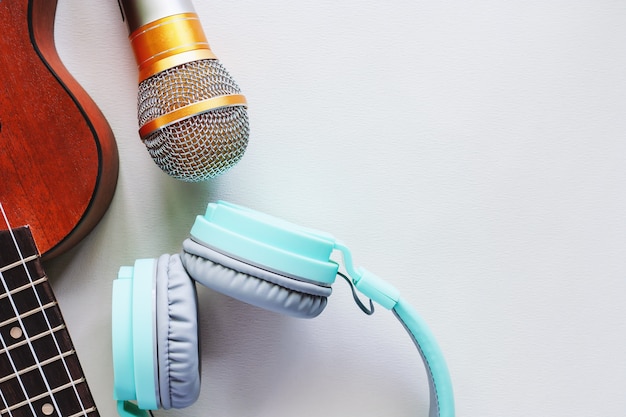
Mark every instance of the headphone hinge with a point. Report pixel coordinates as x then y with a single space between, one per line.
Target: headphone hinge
369 284
376 289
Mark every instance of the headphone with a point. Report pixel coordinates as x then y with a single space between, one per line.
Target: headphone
252 257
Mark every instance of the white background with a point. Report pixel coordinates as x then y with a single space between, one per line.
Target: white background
472 153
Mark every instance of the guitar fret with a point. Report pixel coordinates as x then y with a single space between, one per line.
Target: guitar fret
29 313
84 412
18 263
18 277
41 364
23 287
31 296
32 338
44 395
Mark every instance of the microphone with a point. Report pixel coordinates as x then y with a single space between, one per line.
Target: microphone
191 113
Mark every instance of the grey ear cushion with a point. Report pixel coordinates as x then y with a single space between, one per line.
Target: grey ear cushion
252 284
177 334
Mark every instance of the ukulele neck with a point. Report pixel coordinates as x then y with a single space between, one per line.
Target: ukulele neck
40 374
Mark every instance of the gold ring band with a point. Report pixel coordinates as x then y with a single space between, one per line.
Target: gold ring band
191 110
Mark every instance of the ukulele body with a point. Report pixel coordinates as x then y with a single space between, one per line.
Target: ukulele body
58 156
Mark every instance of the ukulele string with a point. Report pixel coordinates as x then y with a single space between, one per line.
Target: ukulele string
4 348
27 337
4 345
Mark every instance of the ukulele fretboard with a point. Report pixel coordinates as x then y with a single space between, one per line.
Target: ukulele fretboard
40 374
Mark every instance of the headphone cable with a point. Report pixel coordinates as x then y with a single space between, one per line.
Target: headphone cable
358 301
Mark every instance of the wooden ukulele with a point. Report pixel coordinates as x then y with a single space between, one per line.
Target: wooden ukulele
40 374
58 157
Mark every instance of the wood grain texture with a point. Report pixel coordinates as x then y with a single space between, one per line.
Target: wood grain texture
58 156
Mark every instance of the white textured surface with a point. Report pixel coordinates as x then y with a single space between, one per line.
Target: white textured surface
470 152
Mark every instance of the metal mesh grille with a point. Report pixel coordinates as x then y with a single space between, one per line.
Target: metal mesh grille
202 146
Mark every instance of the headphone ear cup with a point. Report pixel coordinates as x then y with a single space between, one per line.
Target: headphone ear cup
177 334
253 285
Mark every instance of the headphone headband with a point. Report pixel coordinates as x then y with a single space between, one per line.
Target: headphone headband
441 395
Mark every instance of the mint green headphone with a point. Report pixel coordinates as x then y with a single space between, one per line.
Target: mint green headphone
252 257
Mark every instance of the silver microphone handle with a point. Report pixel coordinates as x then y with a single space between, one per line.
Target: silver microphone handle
137 13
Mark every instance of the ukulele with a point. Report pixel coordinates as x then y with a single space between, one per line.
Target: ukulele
40 374
58 156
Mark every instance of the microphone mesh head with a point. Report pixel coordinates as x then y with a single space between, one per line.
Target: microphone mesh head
204 145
